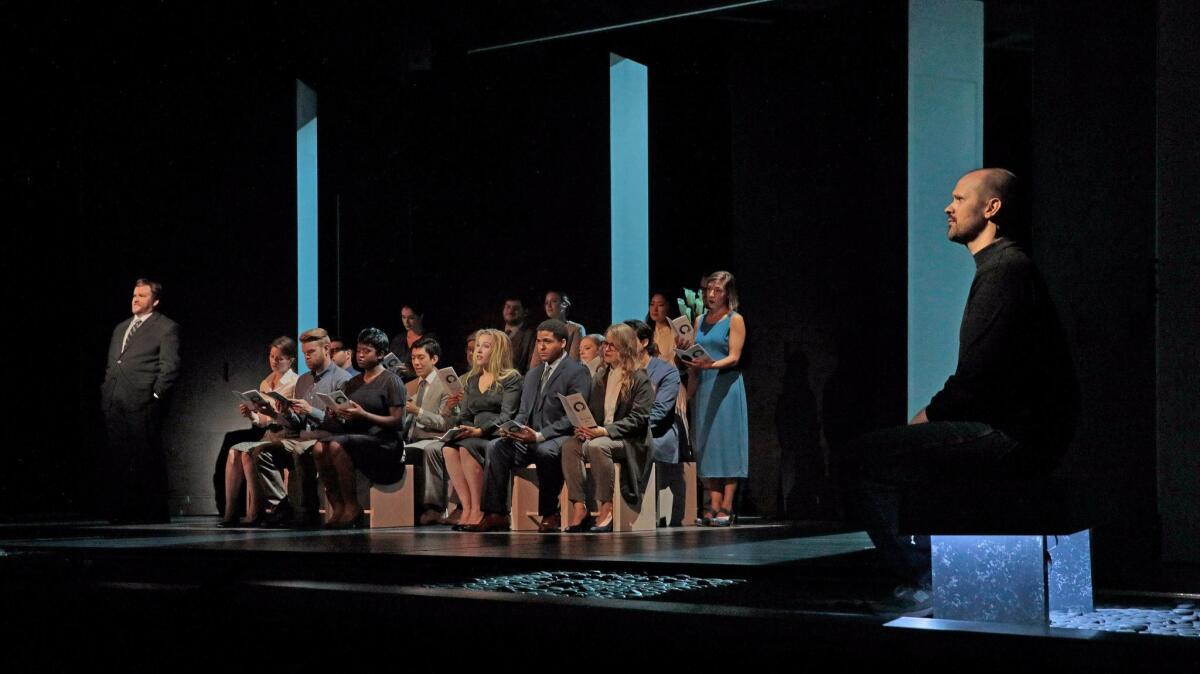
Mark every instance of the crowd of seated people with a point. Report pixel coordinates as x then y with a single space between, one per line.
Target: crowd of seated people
505 412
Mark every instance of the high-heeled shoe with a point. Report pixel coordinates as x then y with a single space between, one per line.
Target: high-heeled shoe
723 519
583 527
605 528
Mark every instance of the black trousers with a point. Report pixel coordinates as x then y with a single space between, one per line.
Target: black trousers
136 467
505 455
886 463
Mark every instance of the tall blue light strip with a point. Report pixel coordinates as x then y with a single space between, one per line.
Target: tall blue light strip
629 182
945 140
306 211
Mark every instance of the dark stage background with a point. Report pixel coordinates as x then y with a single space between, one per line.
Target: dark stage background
158 140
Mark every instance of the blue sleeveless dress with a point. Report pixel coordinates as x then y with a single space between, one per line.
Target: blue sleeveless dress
720 427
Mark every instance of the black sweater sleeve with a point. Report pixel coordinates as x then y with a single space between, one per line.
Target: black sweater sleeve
995 323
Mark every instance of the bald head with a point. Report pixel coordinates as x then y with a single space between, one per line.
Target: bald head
982 203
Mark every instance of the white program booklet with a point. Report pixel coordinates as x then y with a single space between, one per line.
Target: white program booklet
337 400
258 400
692 353
392 362
511 426
681 326
450 379
577 411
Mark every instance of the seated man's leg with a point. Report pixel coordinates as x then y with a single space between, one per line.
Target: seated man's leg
302 486
894 460
434 490
548 458
503 455
270 460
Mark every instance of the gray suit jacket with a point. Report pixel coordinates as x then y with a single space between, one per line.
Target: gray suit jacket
148 367
430 424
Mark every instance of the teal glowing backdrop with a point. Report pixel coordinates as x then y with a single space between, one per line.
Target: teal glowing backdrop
306 210
629 182
945 140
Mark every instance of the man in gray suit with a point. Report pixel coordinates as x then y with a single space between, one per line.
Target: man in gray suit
544 428
424 424
143 365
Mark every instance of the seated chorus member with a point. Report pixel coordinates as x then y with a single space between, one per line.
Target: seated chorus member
491 395
470 353
342 355
364 435
621 399
590 352
426 419
289 448
545 427
403 342
239 465
520 335
666 423
659 317
557 304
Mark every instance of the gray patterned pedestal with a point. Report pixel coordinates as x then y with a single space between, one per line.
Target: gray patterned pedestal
1011 579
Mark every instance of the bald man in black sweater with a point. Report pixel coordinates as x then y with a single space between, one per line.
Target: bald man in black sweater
1008 410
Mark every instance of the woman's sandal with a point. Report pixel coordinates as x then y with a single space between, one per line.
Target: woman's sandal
723 519
706 520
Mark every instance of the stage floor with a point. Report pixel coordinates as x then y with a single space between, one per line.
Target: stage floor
776 587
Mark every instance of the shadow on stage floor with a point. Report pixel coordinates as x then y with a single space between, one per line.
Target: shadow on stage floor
688 595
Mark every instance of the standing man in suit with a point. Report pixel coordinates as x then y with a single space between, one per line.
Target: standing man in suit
143 365
519 334
545 427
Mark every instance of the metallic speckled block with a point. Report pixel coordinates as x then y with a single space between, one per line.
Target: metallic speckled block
1010 579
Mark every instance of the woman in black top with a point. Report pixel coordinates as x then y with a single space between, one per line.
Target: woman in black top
491 395
365 432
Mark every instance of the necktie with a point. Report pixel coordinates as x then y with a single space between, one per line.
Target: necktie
545 376
132 329
412 419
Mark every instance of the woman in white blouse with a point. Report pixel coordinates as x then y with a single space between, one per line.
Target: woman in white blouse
239 467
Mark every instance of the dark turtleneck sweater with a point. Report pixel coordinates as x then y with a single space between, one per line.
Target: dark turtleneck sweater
1014 371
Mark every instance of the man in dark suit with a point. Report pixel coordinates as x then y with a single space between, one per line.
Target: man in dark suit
143 365
519 334
544 428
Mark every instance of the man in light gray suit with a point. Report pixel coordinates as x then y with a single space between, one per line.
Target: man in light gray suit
425 422
143 365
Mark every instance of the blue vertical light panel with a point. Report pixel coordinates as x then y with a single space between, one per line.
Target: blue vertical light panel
306 210
945 140
629 170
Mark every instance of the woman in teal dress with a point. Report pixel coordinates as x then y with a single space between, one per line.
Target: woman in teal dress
720 430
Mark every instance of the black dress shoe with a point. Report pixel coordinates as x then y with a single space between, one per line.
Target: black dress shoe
550 524
282 518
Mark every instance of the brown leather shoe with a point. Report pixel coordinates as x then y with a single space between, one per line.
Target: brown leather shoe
490 522
550 524
429 517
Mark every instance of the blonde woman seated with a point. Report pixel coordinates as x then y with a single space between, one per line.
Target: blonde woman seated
590 352
621 398
491 396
